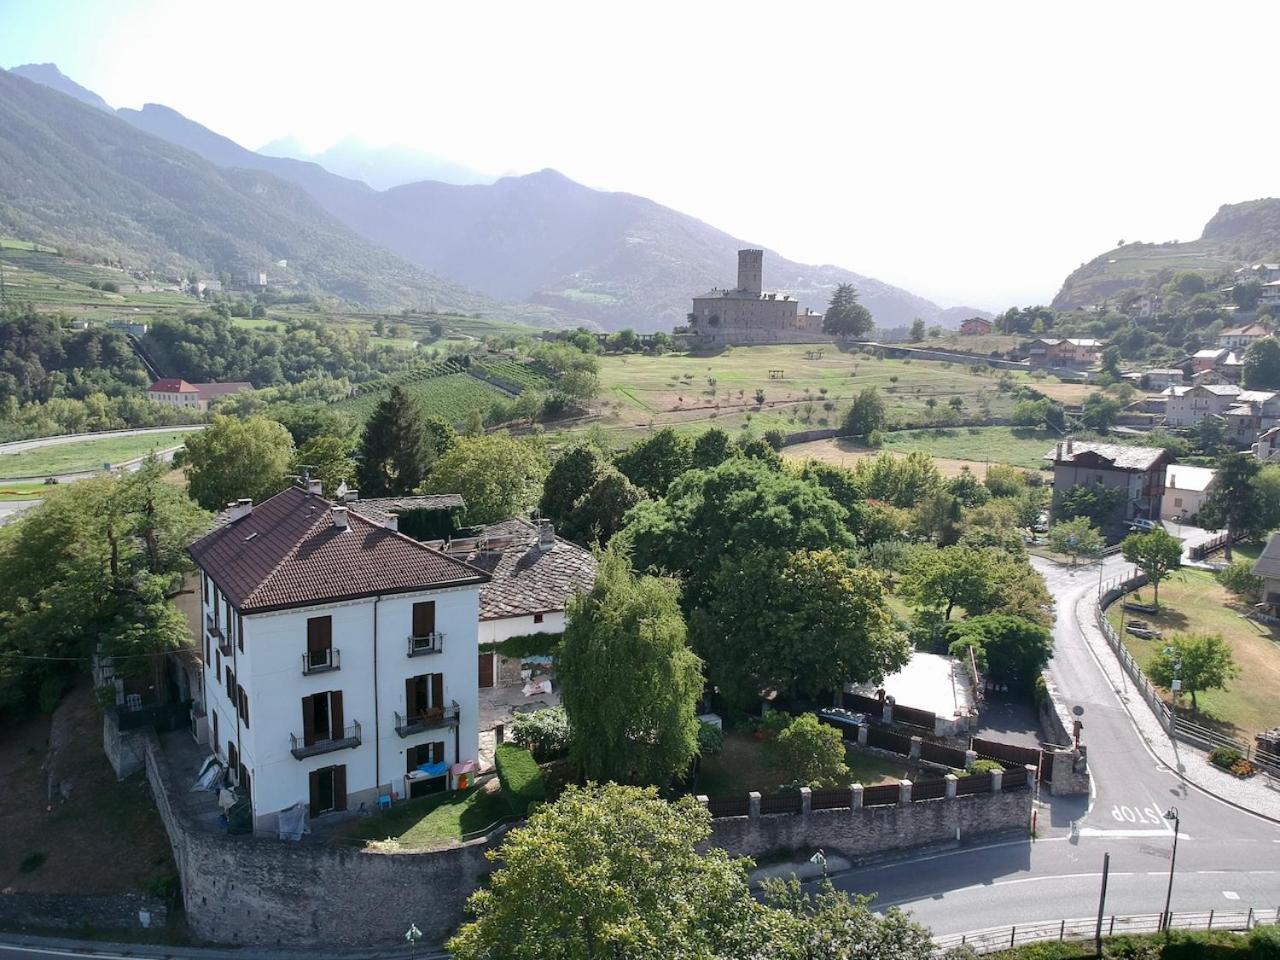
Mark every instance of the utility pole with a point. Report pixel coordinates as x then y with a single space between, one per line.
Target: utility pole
1102 902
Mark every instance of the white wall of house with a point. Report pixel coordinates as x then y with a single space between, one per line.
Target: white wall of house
495 631
270 668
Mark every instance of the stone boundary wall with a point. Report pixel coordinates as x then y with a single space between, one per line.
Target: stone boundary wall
917 353
1069 775
50 911
866 833
266 891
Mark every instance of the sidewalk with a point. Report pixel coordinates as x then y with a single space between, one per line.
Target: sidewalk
1259 794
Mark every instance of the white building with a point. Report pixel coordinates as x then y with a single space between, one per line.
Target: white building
1187 406
1240 338
176 392
339 656
1267 446
1185 489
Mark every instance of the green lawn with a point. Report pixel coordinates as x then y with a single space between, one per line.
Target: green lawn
744 765
86 454
1019 446
435 821
1192 601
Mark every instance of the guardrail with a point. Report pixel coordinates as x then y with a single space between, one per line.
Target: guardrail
995 939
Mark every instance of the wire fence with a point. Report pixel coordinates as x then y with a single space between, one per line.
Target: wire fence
995 939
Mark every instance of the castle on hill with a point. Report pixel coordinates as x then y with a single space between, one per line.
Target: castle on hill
746 314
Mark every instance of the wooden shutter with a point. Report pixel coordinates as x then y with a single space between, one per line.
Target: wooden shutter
437 751
486 670
335 716
309 728
424 618
437 690
410 700
214 713
340 787
240 632
244 708
315 793
319 634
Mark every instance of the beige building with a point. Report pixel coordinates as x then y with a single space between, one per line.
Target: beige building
746 314
176 392
1185 489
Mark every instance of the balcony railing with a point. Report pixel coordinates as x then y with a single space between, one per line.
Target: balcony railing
430 718
421 644
301 749
321 661
216 632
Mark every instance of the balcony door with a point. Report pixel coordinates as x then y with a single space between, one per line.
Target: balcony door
322 717
422 693
328 790
319 642
424 618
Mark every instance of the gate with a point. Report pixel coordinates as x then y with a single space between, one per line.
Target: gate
1010 755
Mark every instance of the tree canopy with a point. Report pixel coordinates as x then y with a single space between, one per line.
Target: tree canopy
396 451
499 476
1235 501
1156 553
628 680
1262 365
233 458
1202 662
654 463
865 415
1008 649
845 316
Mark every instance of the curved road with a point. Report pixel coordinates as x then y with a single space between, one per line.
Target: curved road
1227 859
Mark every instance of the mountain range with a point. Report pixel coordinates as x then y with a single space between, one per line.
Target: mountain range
1239 233
550 249
380 167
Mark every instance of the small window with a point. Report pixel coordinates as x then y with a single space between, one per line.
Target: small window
242 704
537 618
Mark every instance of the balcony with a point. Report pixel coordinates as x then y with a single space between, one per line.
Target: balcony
421 644
431 718
215 631
301 749
321 661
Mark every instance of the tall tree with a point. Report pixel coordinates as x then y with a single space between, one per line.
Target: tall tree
395 453
1262 365
628 679
944 578
712 448
800 622
327 459
499 476
574 472
866 414
653 463
601 512
233 458
917 330
1202 662
845 316
1077 537
1008 649
1156 553
1234 502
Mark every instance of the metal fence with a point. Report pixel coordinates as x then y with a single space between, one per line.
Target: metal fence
1177 727
995 939
940 753
913 717
781 802
1008 754
881 796
883 739
933 789
974 783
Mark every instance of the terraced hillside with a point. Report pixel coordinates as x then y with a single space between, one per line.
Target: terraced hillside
443 389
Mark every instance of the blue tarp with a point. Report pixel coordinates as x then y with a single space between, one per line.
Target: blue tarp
434 769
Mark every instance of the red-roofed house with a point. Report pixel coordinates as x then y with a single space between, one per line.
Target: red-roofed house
178 393
974 326
340 656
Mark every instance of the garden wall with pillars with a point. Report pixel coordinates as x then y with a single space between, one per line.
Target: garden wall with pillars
871 821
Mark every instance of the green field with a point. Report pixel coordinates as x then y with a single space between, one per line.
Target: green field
1019 446
86 454
448 395
435 821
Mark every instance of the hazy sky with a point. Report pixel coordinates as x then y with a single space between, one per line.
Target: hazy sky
971 152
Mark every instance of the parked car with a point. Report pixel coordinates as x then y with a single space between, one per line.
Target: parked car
1144 525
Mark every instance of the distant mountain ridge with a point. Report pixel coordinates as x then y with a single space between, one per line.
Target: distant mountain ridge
380 167
50 76
612 259
1237 234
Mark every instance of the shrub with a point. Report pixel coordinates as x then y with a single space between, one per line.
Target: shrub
1240 580
811 752
1264 943
521 780
1224 757
982 766
545 733
710 739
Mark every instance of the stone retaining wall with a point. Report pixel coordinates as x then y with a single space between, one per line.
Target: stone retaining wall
869 832
49 911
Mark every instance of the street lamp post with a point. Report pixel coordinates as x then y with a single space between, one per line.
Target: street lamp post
1171 814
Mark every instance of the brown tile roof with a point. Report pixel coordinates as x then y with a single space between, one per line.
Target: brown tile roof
376 508
288 553
526 580
171 385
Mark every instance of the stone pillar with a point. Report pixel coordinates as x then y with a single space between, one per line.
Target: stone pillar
855 797
703 799
916 744
886 712
997 781
753 803
806 800
904 792
952 780
863 730
970 758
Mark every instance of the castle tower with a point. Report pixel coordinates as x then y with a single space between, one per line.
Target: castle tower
751 271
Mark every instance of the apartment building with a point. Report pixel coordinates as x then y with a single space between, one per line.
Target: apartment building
339 655
1187 406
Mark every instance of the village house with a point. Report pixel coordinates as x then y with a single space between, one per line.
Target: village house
1185 490
1270 296
975 327
1220 361
746 314
176 392
1253 412
339 656
1240 338
1187 406
1071 352
1267 566
1137 472
1263 273
1162 378
1267 447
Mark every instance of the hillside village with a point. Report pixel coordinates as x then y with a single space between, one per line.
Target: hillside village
359 609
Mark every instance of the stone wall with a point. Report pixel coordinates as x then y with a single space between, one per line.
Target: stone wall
125 749
869 832
47 911
1070 765
267 891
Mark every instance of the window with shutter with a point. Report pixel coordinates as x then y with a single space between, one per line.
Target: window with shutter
319 641
309 720
214 714
424 618
437 689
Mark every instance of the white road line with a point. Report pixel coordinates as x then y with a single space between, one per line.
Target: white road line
1102 832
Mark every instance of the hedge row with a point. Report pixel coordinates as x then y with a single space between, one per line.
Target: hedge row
521 780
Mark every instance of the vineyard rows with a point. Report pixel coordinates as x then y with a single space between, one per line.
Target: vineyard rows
513 373
450 396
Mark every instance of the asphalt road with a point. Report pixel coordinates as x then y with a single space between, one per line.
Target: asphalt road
1227 859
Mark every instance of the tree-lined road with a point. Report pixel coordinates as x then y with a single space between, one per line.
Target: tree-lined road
1227 859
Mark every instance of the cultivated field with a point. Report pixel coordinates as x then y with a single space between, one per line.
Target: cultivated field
951 447
86 454
448 395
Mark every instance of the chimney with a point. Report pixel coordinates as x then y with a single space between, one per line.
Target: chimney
546 534
1070 442
314 488
340 517
351 496
1058 452
391 521
239 508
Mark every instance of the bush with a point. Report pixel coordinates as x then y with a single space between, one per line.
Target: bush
1231 760
545 733
710 739
521 780
981 766
1264 943
811 752
1240 580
